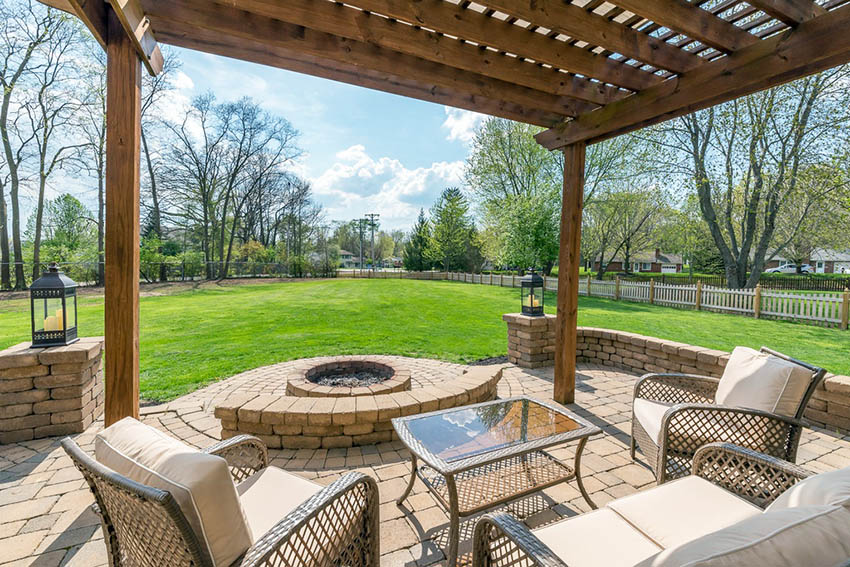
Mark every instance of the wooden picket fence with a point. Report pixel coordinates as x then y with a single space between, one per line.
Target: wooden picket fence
825 309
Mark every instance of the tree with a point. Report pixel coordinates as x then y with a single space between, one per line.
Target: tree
745 159
450 229
816 215
507 170
154 88
92 155
26 29
415 256
530 226
620 223
230 158
51 114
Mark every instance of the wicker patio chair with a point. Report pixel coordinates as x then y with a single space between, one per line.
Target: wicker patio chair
144 526
694 419
499 540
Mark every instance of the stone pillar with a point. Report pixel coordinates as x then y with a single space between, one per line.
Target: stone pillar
45 392
531 340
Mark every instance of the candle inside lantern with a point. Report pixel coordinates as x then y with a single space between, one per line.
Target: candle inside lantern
51 324
60 319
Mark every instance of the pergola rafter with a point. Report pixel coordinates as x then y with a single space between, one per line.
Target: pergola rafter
585 69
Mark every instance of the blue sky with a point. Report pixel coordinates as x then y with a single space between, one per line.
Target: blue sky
364 150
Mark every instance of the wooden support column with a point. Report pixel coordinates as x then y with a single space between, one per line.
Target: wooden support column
123 131
568 265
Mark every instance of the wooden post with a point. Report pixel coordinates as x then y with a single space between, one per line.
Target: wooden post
757 302
845 309
698 298
589 278
568 265
651 290
617 287
121 304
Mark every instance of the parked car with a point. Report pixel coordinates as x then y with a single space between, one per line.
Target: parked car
791 269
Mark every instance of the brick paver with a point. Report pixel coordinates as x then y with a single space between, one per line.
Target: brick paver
45 518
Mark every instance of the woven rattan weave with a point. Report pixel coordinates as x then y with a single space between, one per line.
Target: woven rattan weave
695 420
501 541
144 526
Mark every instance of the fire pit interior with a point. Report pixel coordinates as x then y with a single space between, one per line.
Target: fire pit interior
353 375
348 376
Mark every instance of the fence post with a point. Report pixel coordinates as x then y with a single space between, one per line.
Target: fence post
699 295
651 290
845 309
589 277
757 302
617 288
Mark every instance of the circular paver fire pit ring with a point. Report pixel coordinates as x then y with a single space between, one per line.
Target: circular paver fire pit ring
391 376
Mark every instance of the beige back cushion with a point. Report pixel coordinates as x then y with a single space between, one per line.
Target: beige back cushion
762 381
825 489
793 537
200 483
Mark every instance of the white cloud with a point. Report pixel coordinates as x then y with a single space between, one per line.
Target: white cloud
461 124
358 183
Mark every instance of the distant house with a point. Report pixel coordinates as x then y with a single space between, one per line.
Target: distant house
645 262
823 260
348 260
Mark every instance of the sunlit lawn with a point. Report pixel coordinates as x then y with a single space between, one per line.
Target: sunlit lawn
191 338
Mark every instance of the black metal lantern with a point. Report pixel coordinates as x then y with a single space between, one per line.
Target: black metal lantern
53 308
532 294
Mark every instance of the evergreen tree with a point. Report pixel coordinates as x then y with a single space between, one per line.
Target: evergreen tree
451 229
415 259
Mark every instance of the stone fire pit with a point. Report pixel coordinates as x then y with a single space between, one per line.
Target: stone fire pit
349 377
312 415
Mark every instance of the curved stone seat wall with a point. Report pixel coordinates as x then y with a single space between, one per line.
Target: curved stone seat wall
310 422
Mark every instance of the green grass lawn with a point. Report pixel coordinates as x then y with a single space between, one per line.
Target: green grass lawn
193 337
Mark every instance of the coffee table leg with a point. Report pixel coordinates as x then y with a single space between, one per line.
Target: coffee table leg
410 482
577 467
454 521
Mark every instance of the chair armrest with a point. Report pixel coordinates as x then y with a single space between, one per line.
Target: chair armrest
687 427
337 526
245 455
501 541
676 388
755 477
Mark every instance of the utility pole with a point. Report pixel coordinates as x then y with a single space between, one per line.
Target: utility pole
371 217
360 226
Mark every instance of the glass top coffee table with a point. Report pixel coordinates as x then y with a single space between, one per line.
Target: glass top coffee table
480 456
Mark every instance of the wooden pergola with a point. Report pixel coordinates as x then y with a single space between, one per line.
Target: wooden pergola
586 70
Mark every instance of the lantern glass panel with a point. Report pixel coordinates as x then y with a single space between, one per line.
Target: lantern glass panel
71 311
52 314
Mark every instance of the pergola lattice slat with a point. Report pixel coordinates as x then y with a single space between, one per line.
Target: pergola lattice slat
578 23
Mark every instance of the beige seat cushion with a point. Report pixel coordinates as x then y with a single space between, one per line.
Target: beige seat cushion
200 483
793 537
762 381
825 489
649 414
596 539
683 510
270 495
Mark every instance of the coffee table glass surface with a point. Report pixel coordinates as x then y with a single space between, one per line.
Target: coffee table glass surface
474 430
